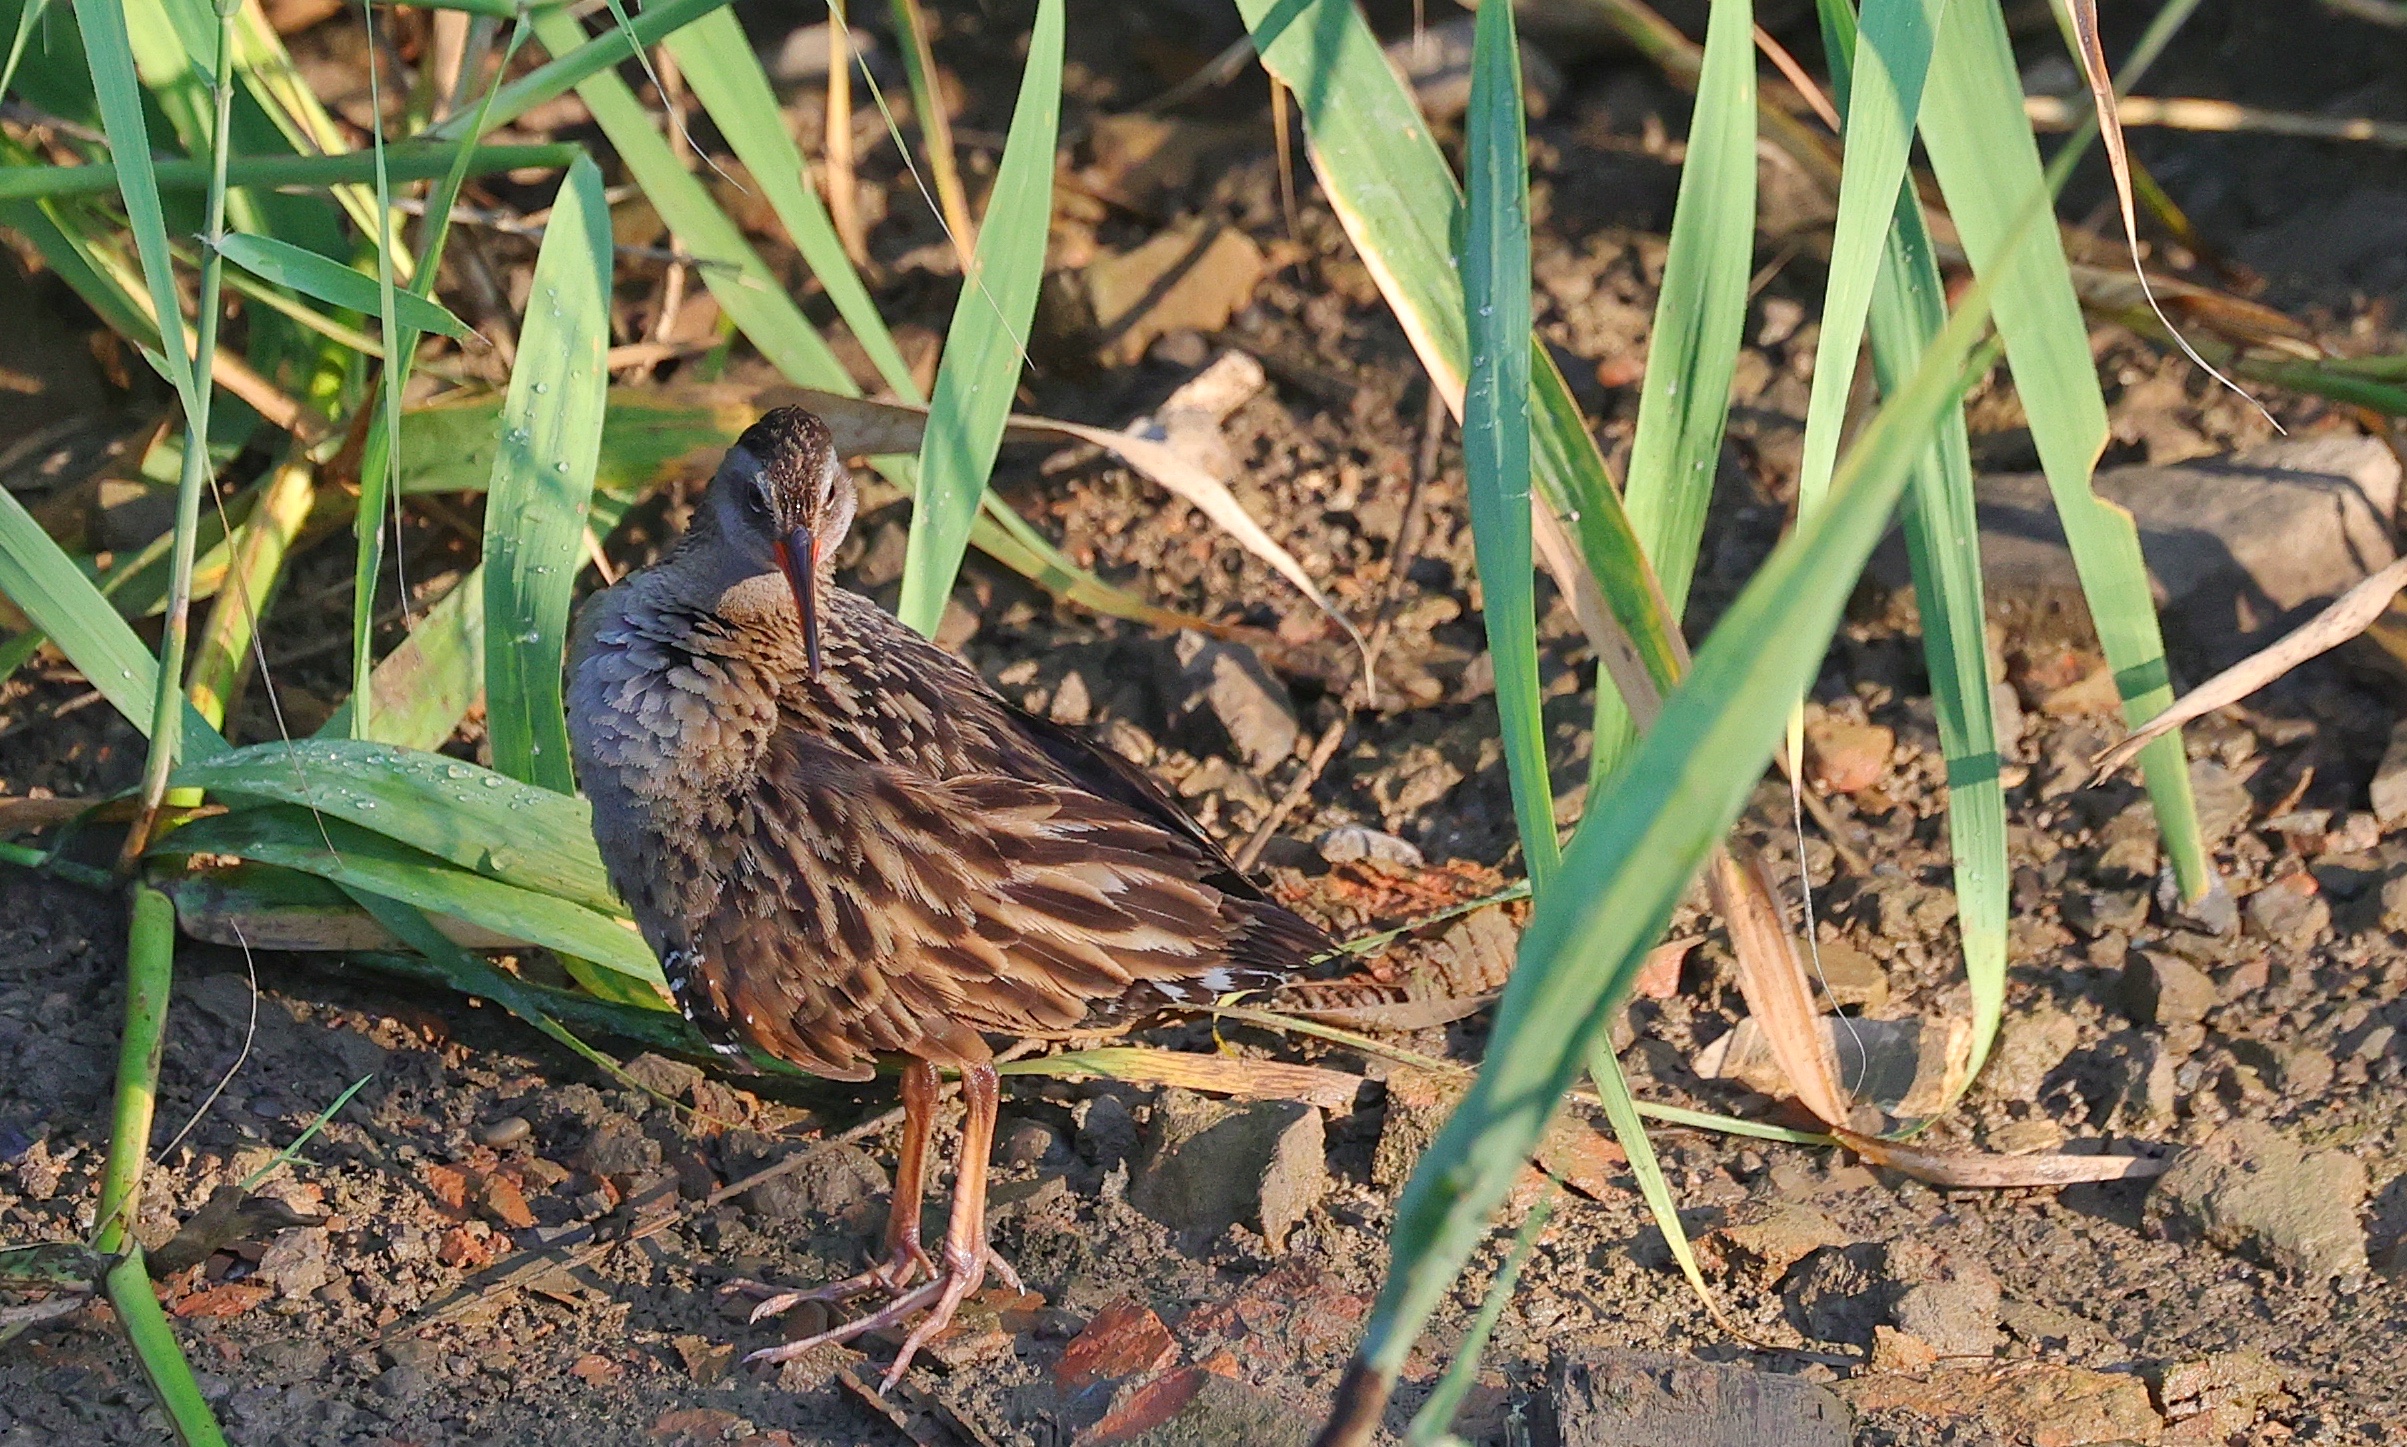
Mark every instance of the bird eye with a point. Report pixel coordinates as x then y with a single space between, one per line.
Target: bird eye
756 499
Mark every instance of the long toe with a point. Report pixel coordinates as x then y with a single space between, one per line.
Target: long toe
892 1313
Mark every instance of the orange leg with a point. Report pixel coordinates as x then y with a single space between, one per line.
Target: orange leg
961 1268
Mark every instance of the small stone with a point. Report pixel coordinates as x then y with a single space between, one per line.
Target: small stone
2223 802
2300 1071
1193 1407
2214 1399
2251 1190
1351 842
2214 912
2166 990
2032 1044
1107 1132
1418 1103
2290 912
1191 276
2388 793
2127 846
1948 1302
618 1146
298 1261
1123 1340
1849 978
705 1361
1225 690
1210 1164
2102 912
2024 1137
505 1132
839 1180
1847 758
1025 1142
1617 1398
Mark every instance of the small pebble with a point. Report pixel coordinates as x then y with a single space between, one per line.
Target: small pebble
507 1131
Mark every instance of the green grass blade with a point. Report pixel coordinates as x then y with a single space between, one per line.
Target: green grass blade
1390 187
381 464
1430 1424
27 18
1496 421
726 77
404 163
481 821
1886 65
1943 546
935 126
154 1343
986 342
576 59
542 481
296 838
332 282
1639 848
1692 352
1981 147
744 286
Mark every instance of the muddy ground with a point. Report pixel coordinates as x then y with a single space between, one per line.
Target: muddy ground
494 1241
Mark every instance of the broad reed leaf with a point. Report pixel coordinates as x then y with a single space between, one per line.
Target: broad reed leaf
297 838
1495 267
551 436
987 340
474 818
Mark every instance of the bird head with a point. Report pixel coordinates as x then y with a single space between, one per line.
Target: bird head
785 500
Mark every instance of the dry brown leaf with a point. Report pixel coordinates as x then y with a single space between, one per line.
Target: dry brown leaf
1951 1168
2349 615
1773 980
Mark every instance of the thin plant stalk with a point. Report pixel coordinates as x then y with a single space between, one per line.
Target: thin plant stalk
936 130
149 972
155 1347
167 711
252 573
843 193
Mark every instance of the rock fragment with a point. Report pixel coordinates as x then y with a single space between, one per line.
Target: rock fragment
2251 1190
1210 1164
1223 693
1649 1399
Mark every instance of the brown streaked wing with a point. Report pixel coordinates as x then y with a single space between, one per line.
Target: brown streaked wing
870 910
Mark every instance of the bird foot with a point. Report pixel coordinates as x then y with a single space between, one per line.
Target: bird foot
951 1284
893 1276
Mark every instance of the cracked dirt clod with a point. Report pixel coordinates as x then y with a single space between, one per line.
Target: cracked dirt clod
1210 1164
2251 1190
1647 1399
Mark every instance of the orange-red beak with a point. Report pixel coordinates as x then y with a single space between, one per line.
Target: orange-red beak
798 557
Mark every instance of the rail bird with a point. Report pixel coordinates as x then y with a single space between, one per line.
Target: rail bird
847 849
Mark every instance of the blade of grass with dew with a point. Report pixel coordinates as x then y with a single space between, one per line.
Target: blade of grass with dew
1692 352
1389 184
1981 148
517 833
1630 861
1495 267
986 341
296 838
1430 1425
137 1301
551 435
333 283
1943 549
